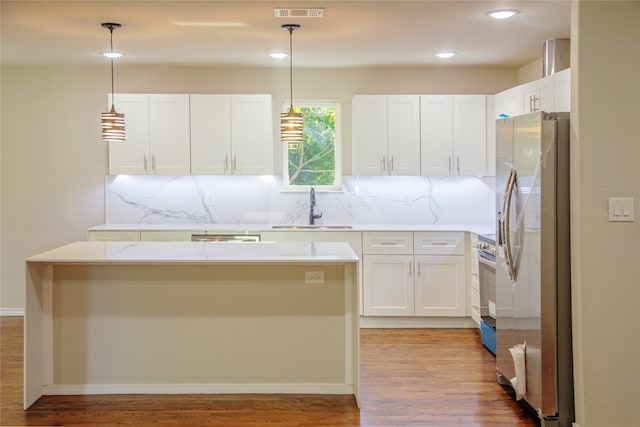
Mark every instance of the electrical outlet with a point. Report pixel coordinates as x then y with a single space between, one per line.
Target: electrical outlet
313 277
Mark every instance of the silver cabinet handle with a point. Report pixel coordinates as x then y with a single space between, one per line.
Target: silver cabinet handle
383 164
226 164
153 164
146 166
392 166
449 165
233 164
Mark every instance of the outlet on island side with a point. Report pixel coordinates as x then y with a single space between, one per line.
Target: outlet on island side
313 277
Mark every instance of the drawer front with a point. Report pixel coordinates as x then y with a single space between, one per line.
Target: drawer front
438 243
387 242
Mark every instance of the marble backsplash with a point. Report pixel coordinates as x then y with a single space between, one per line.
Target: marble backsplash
137 199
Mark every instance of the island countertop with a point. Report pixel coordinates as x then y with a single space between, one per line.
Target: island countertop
197 252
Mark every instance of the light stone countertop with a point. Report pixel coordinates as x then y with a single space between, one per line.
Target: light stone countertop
89 252
242 228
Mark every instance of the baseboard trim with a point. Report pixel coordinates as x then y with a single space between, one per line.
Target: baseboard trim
11 312
275 388
417 322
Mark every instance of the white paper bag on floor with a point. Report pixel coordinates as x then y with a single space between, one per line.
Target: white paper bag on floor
519 382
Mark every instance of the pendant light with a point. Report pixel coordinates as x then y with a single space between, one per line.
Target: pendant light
291 123
112 122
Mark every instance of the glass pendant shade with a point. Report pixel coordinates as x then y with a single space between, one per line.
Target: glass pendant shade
291 127
112 126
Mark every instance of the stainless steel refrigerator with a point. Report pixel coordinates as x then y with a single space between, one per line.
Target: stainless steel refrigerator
533 282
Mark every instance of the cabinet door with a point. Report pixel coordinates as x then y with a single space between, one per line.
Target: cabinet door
470 135
388 285
251 135
562 90
131 157
436 114
514 100
403 137
210 134
169 134
440 285
529 92
369 134
545 94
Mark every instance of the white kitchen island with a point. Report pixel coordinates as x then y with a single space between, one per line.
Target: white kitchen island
191 317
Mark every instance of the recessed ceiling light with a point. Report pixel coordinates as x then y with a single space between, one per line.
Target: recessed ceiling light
445 54
112 54
278 55
503 14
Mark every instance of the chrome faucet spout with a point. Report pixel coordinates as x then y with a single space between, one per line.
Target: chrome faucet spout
312 204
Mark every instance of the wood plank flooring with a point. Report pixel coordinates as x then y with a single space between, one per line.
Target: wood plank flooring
409 377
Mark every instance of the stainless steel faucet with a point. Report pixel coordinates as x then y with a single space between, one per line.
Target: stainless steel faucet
312 204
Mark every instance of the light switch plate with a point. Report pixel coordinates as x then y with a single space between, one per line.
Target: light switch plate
621 209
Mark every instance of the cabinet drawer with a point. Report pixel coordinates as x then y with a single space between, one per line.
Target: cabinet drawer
438 243
114 235
387 242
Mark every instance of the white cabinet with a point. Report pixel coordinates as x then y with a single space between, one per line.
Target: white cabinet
114 235
231 135
562 90
440 279
388 285
453 135
165 235
475 279
551 93
439 285
386 134
387 265
157 135
414 274
140 235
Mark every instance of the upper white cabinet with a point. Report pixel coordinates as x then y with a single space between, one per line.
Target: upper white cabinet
453 135
551 93
231 135
157 136
386 134
194 134
562 90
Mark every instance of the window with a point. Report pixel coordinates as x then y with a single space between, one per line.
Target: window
316 161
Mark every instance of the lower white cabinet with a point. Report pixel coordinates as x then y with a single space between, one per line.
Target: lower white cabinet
414 274
140 235
439 285
388 285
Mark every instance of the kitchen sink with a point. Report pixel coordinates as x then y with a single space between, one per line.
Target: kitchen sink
314 227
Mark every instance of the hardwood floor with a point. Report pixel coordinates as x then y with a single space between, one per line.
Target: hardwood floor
409 377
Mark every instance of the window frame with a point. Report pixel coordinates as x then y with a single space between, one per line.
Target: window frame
337 186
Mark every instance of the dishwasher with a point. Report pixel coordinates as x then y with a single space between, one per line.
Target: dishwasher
225 237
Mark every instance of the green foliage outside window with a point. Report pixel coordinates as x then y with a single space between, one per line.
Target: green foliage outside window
314 161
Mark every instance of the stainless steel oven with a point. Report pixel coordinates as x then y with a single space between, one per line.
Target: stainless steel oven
487 276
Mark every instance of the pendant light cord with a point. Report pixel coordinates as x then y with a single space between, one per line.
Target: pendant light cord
291 67
112 95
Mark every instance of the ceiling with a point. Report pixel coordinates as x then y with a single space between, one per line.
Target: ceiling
351 33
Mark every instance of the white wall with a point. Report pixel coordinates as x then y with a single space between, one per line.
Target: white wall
53 162
605 255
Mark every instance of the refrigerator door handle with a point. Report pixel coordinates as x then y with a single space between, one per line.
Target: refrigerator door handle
506 224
